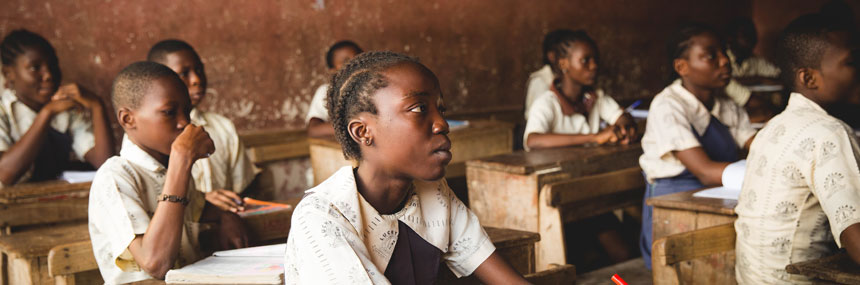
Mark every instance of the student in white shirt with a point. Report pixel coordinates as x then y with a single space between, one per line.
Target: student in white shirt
392 219
694 130
42 123
228 170
144 209
800 197
741 38
570 112
335 58
541 80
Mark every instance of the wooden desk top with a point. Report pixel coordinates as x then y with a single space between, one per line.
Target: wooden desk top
38 242
509 238
40 191
686 201
836 268
527 162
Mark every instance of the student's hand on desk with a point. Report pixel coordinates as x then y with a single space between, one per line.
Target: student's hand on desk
626 129
225 200
232 233
193 143
607 135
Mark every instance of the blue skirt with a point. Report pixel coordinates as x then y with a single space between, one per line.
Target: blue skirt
684 182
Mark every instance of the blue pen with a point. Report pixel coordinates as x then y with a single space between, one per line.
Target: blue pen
634 105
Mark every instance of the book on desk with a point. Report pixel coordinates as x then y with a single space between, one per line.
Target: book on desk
253 265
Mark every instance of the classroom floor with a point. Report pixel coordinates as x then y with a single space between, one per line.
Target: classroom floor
632 271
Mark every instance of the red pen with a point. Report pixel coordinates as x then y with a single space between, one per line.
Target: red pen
617 279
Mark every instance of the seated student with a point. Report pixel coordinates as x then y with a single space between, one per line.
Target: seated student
541 80
41 122
800 198
144 209
570 112
694 130
335 58
228 170
741 38
393 218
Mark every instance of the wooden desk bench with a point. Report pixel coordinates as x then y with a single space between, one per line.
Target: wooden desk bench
506 190
837 268
479 139
680 213
27 252
43 203
272 145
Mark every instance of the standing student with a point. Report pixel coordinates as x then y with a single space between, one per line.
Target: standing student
694 130
541 80
228 170
43 124
800 197
335 58
570 112
392 219
144 209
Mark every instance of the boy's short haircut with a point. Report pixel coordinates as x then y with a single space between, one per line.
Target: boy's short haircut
802 44
135 80
160 50
329 55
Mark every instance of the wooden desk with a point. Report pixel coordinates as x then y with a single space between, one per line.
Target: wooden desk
837 268
479 139
43 203
681 212
27 252
273 145
504 190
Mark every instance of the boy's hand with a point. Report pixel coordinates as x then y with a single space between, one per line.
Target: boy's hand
607 135
193 143
232 233
225 200
77 94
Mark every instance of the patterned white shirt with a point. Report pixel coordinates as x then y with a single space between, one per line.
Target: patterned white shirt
16 118
800 192
337 237
229 167
123 198
317 108
674 114
547 116
539 83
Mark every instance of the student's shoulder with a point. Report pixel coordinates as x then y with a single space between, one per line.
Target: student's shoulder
115 169
668 100
320 197
807 123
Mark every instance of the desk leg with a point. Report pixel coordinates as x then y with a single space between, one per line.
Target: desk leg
551 250
64 280
3 265
714 269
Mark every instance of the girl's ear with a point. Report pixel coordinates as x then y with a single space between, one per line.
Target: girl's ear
681 66
8 75
563 64
360 131
807 77
125 118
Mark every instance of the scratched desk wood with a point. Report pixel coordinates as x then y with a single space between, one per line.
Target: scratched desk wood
43 203
681 212
27 251
837 268
504 190
479 139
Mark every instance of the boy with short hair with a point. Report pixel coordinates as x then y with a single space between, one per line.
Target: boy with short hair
335 58
800 193
144 210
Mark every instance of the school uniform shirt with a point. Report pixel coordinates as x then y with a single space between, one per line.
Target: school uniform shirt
539 82
674 115
799 193
317 108
337 237
546 116
123 198
228 167
16 118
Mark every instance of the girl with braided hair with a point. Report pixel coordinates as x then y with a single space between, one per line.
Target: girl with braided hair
393 218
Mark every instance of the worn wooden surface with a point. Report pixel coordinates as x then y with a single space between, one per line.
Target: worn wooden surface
43 203
527 162
27 252
690 245
565 274
680 213
480 139
272 145
837 268
632 271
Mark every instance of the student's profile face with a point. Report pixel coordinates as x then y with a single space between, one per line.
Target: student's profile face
341 56
581 63
410 134
839 75
706 62
33 77
187 64
161 116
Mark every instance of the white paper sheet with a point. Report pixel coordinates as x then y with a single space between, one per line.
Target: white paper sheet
230 270
733 175
719 193
275 250
78 176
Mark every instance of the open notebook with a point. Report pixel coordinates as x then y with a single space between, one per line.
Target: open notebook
733 179
253 265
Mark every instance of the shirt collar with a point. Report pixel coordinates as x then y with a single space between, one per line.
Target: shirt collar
701 116
138 156
8 98
197 117
799 102
545 74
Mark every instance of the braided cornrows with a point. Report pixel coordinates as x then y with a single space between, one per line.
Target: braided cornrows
351 92
18 41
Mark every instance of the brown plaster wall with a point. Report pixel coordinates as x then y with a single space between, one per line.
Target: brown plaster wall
771 17
265 58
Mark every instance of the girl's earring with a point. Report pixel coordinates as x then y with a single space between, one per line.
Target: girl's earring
368 142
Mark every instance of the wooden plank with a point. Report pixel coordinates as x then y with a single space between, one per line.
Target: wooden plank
511 114
835 268
38 242
46 212
272 145
599 205
71 258
686 246
551 250
686 201
503 200
524 163
565 274
589 187
43 191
